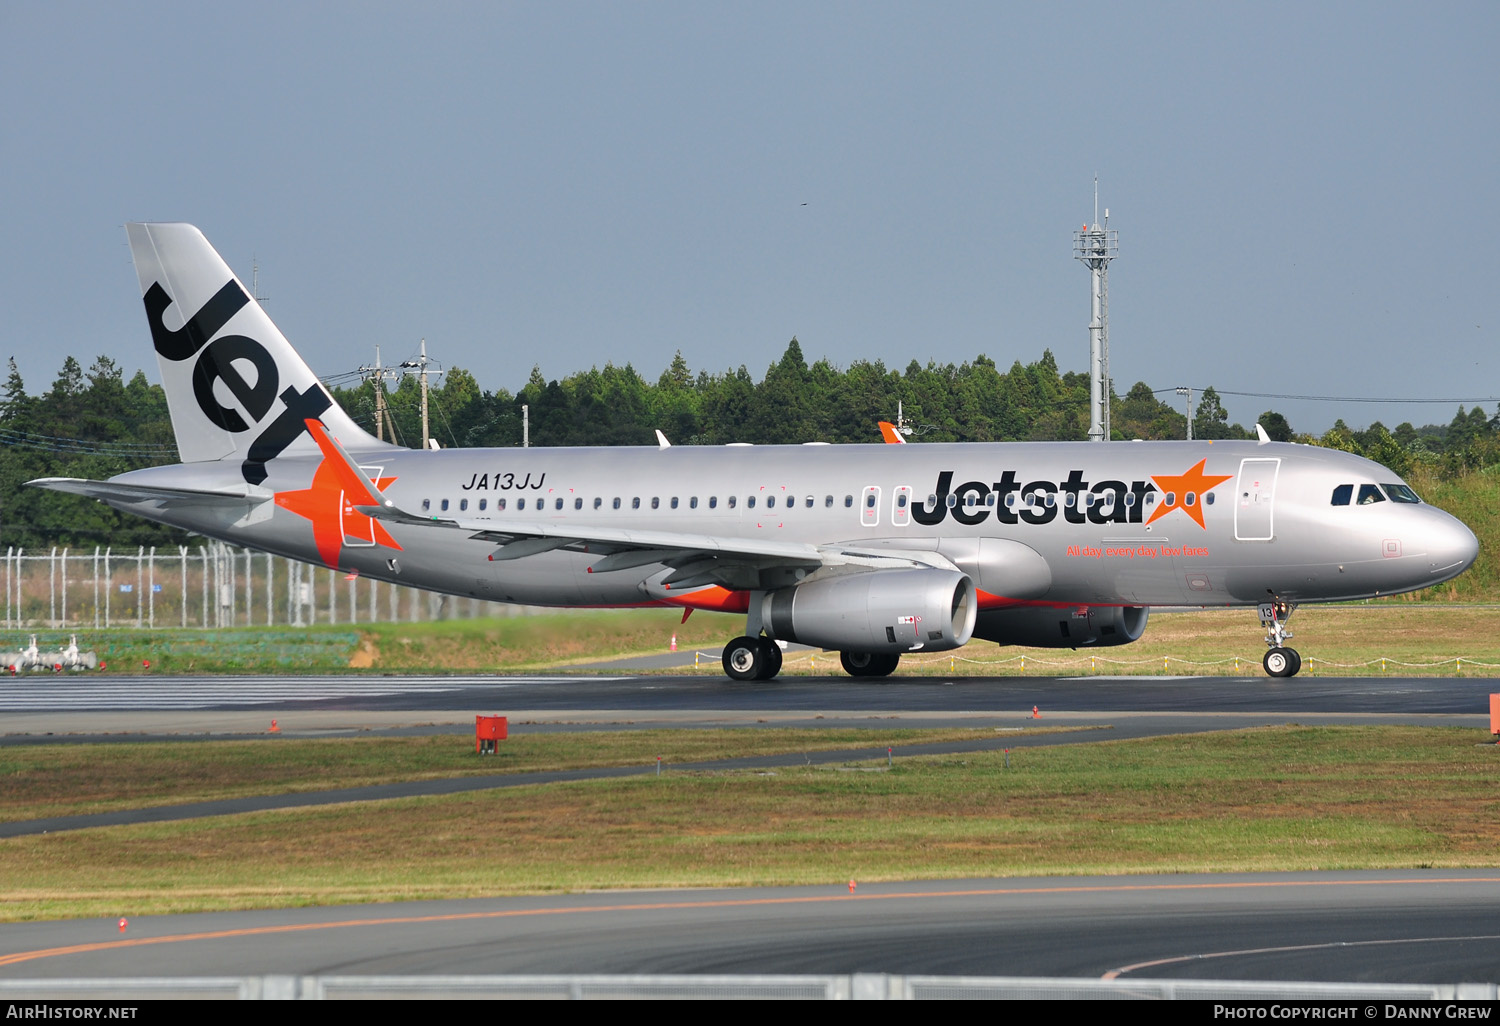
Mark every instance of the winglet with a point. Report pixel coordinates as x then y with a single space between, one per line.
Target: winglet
891 434
1261 434
661 440
356 485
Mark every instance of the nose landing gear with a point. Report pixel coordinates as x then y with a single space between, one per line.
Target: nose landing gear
1279 660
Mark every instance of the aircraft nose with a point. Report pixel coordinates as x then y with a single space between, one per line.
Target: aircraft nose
1454 548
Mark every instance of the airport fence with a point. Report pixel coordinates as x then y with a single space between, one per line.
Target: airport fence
210 586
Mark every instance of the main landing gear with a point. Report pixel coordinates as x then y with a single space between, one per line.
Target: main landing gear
869 664
1279 660
752 658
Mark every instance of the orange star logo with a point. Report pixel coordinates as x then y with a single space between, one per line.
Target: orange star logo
325 502
1186 492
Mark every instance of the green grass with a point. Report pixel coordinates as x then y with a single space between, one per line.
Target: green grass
1270 799
37 781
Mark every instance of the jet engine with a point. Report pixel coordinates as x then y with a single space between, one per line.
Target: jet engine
876 611
1062 627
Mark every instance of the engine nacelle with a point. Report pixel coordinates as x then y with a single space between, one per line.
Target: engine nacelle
876 611
1063 627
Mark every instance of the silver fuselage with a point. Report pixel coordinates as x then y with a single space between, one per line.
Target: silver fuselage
1269 527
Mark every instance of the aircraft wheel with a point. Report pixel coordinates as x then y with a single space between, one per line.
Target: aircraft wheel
869 664
1281 662
744 659
1296 661
772 659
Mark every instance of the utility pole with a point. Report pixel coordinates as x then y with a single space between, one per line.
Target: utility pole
420 363
1187 390
380 375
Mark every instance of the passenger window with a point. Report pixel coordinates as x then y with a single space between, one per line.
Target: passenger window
445 505
1342 494
1401 493
483 503
809 502
1369 494
617 502
1070 500
1209 498
674 502
971 500
1010 500
693 502
848 501
463 504
901 501
578 503
520 504
713 502
1130 498
870 501
989 498
1189 498
598 501
750 502
557 504
500 504
828 502
733 501
635 503
1050 500
770 501
426 505
1171 498
655 502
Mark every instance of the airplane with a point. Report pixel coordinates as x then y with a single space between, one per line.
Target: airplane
871 550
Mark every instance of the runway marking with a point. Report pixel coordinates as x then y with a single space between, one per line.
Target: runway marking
43 695
658 906
1115 974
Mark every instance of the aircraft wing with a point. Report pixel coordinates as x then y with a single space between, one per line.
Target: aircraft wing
697 558
165 498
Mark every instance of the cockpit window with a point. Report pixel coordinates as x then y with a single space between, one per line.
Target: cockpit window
1342 494
1401 493
1368 494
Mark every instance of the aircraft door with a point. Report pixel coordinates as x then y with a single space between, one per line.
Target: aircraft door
869 507
358 528
1253 497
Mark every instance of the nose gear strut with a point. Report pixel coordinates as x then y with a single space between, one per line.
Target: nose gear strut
1279 660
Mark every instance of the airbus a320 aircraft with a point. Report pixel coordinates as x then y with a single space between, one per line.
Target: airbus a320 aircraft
872 550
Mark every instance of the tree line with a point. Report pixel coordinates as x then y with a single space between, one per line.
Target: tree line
93 423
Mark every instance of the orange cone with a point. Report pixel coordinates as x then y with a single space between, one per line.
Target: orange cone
274 728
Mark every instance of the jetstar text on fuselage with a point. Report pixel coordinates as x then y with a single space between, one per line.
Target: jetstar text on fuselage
1076 500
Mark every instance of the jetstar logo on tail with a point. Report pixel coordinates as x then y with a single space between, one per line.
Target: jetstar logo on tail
326 502
216 362
1079 501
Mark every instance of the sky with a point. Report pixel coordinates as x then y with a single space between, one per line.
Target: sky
1301 190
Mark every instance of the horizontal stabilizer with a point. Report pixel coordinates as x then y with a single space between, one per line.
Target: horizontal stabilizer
112 491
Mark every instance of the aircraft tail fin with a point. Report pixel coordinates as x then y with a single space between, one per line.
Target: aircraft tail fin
235 386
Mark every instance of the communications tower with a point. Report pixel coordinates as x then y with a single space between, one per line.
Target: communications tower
1096 246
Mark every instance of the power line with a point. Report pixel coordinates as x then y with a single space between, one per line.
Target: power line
1344 398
